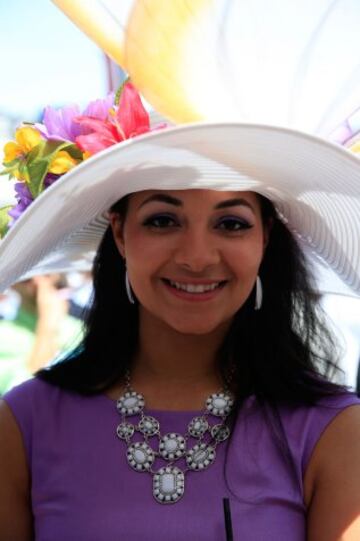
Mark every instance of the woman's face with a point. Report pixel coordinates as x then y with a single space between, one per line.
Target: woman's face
192 256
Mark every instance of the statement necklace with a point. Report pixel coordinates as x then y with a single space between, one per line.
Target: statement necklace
196 449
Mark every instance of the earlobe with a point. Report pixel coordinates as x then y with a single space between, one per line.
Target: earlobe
117 229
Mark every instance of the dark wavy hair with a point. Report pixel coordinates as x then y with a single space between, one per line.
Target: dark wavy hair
280 353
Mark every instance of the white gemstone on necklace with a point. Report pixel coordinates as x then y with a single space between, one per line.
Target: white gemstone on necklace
218 402
171 445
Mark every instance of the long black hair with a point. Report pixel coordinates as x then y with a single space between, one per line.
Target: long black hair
280 353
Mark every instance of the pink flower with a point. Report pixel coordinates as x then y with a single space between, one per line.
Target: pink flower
127 120
61 125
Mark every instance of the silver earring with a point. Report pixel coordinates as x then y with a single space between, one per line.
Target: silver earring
128 289
258 293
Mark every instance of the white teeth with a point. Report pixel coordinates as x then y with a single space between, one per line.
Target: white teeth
192 288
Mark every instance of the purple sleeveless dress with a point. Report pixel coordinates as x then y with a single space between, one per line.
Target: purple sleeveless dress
84 490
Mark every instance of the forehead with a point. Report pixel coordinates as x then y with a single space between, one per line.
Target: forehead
189 198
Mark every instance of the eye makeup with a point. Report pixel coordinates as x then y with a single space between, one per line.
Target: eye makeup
160 221
233 224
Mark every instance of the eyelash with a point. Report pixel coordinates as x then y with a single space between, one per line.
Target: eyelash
240 224
150 222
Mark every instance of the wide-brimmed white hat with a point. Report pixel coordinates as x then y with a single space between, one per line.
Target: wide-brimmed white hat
287 77
314 184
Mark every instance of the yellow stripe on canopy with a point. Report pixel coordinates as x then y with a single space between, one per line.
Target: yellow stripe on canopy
156 43
153 46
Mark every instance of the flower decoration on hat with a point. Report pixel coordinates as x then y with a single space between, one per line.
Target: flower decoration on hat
42 152
347 133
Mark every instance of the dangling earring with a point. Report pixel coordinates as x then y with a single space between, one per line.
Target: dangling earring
128 289
258 293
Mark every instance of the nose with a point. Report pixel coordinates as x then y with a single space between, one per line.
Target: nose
196 251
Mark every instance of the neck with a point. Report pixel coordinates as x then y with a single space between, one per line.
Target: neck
174 370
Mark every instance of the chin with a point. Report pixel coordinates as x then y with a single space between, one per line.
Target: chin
197 328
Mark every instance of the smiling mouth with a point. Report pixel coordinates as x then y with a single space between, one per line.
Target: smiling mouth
195 288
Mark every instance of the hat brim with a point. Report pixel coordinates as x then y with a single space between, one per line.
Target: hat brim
314 184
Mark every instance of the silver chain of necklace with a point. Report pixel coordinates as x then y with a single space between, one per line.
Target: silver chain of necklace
169 480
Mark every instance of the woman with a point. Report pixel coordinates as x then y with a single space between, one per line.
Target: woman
204 335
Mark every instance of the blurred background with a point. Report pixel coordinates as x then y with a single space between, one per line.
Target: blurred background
46 60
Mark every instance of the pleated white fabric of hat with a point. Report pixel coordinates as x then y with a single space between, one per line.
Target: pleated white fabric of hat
315 186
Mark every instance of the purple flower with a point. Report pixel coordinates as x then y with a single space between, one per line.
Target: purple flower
100 108
50 179
24 199
60 124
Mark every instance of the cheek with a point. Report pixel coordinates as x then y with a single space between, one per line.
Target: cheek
144 255
136 245
246 260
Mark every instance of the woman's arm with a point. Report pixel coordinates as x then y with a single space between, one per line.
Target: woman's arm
15 508
332 481
51 310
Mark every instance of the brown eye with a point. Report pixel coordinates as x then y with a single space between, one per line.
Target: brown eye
160 221
233 224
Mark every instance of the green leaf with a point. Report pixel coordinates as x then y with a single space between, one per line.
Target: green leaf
13 162
38 162
74 151
119 91
46 150
38 151
4 220
37 172
9 170
23 172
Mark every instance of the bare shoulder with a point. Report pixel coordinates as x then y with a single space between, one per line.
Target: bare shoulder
332 481
15 508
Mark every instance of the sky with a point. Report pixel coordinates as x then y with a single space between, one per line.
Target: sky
45 60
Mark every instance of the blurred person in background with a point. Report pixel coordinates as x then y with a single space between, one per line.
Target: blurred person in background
41 329
9 304
81 290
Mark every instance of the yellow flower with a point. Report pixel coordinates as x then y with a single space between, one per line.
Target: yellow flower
11 152
355 147
61 163
26 138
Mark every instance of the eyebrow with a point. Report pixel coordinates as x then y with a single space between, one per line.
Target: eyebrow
234 202
163 198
